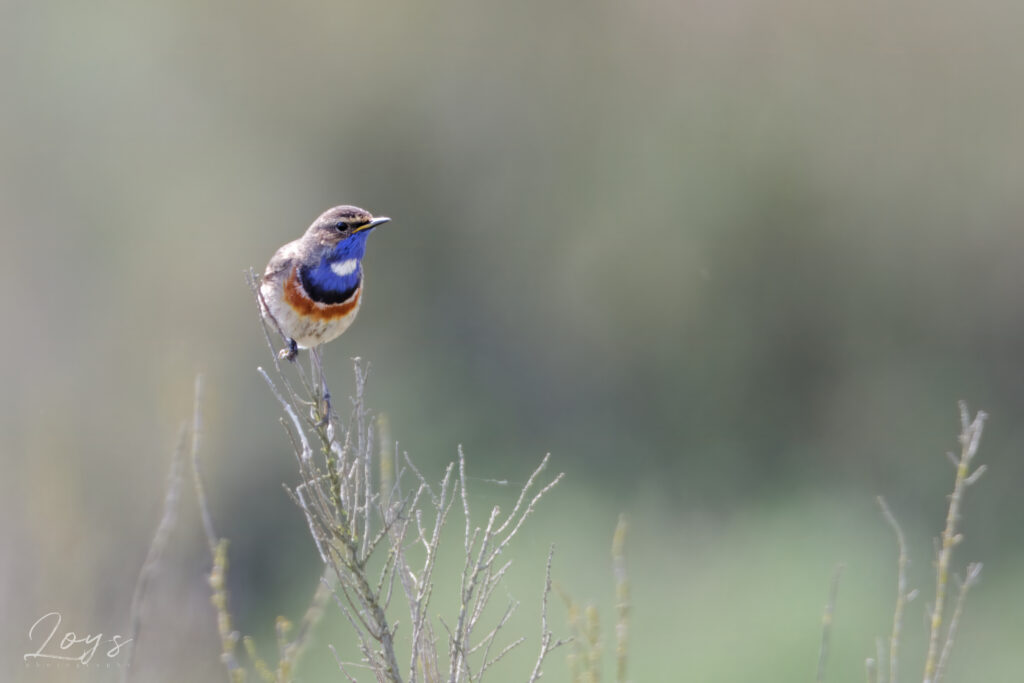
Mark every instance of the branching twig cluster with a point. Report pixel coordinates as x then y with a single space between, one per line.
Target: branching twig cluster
374 538
377 523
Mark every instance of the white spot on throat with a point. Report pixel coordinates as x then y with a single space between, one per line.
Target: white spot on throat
343 268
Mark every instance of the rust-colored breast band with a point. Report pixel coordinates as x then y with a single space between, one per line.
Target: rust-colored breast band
296 297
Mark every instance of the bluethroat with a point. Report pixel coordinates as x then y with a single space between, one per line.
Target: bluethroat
312 288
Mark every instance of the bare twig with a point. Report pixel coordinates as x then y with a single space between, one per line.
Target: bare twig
197 480
872 670
973 574
341 665
480 575
172 499
826 622
546 644
622 599
902 595
970 436
218 552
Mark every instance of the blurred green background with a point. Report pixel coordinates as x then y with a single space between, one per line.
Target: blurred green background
732 263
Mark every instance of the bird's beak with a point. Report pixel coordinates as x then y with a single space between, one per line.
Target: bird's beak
373 224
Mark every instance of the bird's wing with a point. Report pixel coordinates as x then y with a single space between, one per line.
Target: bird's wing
281 263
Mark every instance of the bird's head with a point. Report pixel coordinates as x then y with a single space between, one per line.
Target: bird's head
343 227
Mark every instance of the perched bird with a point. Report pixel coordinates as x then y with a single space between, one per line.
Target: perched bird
312 288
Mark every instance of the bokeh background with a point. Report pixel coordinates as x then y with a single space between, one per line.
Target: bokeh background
732 263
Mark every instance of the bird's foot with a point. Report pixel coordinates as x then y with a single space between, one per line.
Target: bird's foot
289 352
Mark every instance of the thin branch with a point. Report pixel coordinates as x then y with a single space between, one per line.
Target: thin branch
546 646
872 670
341 665
526 488
218 552
970 437
902 596
197 480
973 574
172 499
826 622
306 451
501 655
622 598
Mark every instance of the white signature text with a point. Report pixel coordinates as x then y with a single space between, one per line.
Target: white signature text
72 647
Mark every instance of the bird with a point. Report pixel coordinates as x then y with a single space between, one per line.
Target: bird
312 288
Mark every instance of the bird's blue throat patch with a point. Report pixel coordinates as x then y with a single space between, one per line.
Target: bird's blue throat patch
338 275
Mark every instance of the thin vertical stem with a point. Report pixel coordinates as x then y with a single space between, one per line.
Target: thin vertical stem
826 622
970 436
901 590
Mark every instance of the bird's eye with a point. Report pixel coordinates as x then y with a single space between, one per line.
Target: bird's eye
340 227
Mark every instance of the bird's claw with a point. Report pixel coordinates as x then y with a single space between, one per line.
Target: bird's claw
289 352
